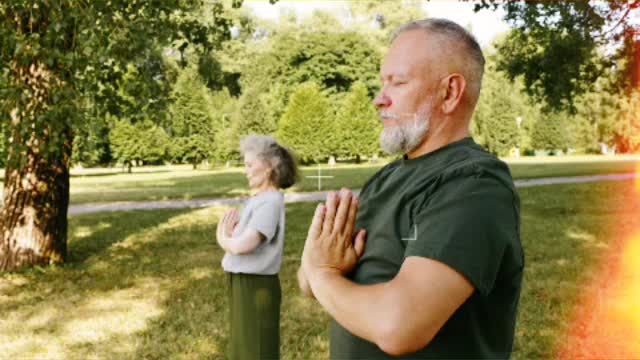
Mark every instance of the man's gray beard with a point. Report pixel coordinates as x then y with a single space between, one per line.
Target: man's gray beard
404 138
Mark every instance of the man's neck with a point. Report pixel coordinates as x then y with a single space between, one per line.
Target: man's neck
439 137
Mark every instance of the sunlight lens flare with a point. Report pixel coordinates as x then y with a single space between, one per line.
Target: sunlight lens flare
607 324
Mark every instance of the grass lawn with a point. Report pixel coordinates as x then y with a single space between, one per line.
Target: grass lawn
180 182
148 284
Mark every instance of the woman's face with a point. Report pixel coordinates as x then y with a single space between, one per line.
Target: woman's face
257 171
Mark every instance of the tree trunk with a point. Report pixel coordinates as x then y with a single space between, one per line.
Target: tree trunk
33 219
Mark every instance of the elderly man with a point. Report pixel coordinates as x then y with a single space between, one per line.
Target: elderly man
441 272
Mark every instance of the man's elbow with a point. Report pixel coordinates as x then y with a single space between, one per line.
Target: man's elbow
396 339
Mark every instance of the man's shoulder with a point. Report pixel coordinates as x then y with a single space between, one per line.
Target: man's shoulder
476 163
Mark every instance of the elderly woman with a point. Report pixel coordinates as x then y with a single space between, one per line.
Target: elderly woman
253 241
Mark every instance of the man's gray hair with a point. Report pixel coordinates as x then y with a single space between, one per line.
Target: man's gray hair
284 168
452 31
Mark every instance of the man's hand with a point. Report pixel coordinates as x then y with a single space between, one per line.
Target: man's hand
330 245
303 283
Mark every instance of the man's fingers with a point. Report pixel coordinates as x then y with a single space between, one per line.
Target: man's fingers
343 211
360 242
351 220
316 223
329 214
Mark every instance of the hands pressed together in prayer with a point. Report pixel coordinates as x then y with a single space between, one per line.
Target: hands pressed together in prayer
332 246
226 226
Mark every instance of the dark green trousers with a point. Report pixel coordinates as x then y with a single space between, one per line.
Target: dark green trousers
254 309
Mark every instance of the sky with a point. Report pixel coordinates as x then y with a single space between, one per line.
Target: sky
485 25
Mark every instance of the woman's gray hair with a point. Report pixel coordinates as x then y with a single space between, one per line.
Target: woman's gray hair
284 168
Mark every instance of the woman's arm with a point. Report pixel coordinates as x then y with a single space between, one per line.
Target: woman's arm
241 244
244 243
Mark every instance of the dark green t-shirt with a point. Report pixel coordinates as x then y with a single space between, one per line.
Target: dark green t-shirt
456 205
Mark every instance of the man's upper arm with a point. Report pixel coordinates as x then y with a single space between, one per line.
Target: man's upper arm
426 293
469 225
462 235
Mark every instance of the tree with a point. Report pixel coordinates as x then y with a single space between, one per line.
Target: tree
223 108
253 116
627 128
594 122
191 123
558 46
550 132
357 127
124 140
4 140
380 18
53 54
306 126
333 60
155 143
501 103
142 143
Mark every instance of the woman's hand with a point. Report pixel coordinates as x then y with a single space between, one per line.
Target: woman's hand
231 222
226 226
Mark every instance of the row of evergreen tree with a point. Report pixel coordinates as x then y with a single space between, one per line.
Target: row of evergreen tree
310 83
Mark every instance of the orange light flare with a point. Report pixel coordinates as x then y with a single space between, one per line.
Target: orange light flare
606 323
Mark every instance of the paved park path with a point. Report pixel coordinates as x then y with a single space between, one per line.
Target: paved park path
307 197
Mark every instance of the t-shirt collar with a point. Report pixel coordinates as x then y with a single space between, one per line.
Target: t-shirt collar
434 154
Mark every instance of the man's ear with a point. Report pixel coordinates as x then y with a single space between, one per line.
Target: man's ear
453 88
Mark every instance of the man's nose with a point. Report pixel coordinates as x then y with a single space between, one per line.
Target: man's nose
382 101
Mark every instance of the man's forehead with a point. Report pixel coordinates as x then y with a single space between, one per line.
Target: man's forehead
411 53
390 72
401 64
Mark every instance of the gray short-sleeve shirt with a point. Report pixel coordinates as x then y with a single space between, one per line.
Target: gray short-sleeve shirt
263 212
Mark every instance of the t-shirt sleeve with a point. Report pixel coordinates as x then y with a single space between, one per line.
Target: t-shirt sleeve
264 218
468 224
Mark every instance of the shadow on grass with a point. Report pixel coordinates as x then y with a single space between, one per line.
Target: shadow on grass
195 321
92 235
566 230
117 172
146 284
97 297
196 186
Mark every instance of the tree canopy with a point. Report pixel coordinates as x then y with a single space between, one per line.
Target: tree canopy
560 48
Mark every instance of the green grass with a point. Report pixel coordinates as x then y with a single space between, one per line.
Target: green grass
188 184
148 284
158 183
166 183
551 168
